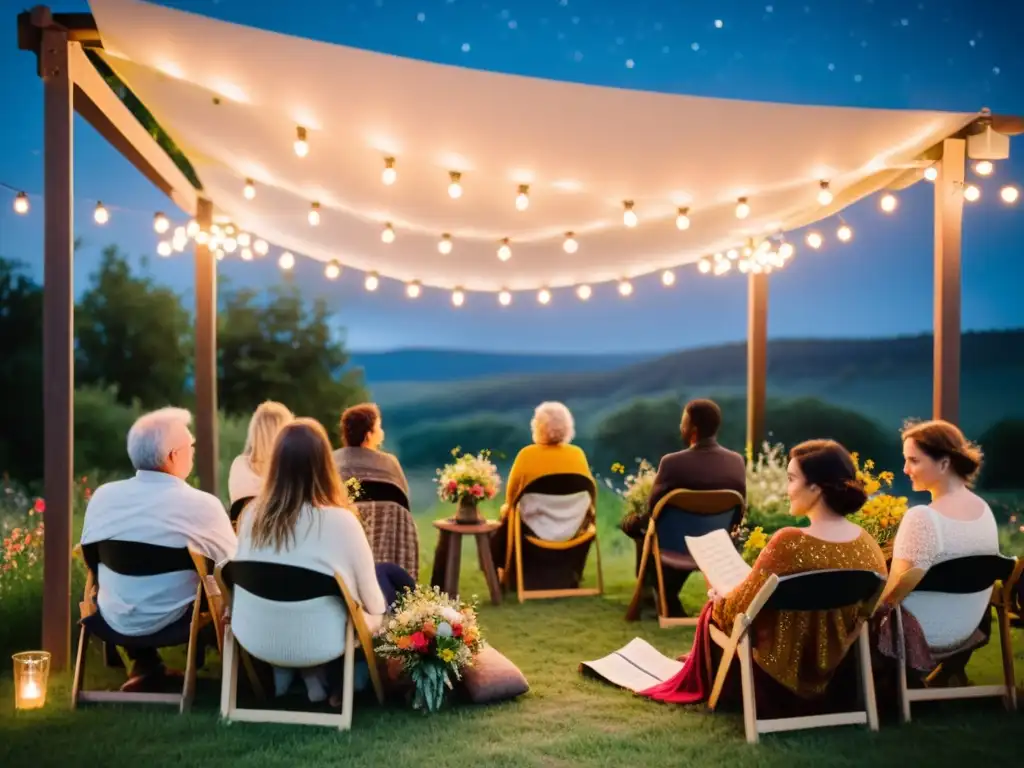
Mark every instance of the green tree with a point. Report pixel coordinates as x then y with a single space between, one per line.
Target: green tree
1001 443
133 335
278 347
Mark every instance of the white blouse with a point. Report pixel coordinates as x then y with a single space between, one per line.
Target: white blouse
242 481
926 538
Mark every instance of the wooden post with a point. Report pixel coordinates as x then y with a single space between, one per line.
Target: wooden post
58 339
206 355
949 205
757 359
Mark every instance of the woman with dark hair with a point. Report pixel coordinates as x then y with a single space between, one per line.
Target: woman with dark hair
796 653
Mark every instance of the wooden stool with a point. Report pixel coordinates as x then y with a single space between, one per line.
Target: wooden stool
452 532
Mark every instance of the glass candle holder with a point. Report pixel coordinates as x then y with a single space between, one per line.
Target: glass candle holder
31 672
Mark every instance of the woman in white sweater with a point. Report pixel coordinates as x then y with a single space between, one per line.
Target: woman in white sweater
245 478
303 517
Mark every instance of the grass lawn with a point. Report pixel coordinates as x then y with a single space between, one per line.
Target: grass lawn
563 720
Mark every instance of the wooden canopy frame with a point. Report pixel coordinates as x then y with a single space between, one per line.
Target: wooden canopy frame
72 84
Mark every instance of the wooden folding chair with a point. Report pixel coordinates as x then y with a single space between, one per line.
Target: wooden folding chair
810 591
286 583
564 561
962 576
131 558
235 512
678 514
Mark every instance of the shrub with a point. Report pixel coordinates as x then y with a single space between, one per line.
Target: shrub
1002 443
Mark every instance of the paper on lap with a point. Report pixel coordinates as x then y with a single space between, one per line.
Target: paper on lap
636 666
716 556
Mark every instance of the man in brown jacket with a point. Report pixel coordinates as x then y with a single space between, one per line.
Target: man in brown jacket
703 466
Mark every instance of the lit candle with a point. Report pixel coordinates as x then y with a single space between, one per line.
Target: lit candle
31 670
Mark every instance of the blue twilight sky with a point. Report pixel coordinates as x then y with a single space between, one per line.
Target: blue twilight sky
925 54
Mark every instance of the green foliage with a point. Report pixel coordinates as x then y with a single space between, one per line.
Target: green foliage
101 430
793 421
133 335
643 428
279 347
21 375
1002 445
430 444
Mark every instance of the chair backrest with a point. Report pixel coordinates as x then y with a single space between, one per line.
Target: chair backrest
237 506
382 490
681 513
562 484
965 575
278 582
131 558
825 590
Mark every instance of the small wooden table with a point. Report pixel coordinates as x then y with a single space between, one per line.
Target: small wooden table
450 535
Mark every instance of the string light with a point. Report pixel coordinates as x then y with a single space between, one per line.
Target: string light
825 196
387 235
246 254
192 228
742 208
844 233
1009 194
786 251
332 270
160 223
984 168
458 297
629 215
683 219
371 282
413 290
504 298
722 267
101 215
523 198
314 214
931 173
583 292
625 288
668 277
202 237
544 296
179 240
244 239
219 254
504 250
455 186
444 245
21 203
888 202
249 190
704 265
286 261
301 146
261 247
163 248
732 254
814 240
230 245
389 175
570 245
972 193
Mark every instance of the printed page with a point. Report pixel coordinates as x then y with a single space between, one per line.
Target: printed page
636 666
717 558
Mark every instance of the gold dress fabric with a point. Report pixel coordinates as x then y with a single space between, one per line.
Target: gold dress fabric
800 649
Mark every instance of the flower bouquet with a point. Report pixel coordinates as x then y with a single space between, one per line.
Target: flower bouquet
434 638
882 513
636 491
467 481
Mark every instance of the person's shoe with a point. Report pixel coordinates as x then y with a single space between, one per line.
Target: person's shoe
158 681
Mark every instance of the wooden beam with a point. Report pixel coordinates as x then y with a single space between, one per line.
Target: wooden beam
57 73
949 208
206 355
757 359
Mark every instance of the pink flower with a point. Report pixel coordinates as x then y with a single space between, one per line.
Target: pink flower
39 506
477 490
452 486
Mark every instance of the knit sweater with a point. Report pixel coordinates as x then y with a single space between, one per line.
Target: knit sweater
536 461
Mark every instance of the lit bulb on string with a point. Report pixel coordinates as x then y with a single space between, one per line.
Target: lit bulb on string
844 233
544 296
192 228
261 247
704 265
972 193
389 175
523 198
583 292
160 223
387 235
888 202
101 215
814 240
825 196
744 266
246 254
164 248
444 245
219 254
458 297
229 229
249 190
732 254
301 145
413 289
372 281
314 214
202 237
230 245
504 298
332 270
455 185
668 277
244 239
742 208
931 173
570 245
984 168
683 219
21 203
504 250
722 267
786 251
286 261
625 288
1009 194
629 215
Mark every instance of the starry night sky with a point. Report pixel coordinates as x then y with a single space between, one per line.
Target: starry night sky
932 54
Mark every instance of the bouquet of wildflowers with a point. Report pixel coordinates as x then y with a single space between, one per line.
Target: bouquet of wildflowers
636 490
767 499
468 477
750 542
434 637
882 513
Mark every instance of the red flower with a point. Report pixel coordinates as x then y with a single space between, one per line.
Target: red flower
419 642
39 506
456 630
88 494
452 486
477 490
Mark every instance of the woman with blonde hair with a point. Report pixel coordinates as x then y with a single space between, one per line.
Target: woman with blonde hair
249 468
303 517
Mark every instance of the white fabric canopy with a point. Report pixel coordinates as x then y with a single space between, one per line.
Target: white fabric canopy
583 150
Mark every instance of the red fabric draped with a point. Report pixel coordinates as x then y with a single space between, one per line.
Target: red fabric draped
691 684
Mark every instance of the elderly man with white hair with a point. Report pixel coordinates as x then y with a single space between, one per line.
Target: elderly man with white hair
156 506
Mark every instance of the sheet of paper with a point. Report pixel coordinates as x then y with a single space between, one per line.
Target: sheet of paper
717 558
636 666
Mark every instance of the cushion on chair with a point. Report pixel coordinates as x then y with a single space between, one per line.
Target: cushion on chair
493 678
175 633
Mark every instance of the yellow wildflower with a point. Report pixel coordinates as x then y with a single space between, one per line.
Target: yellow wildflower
447 655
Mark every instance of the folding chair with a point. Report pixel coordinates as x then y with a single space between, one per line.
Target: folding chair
962 576
131 558
810 591
552 568
679 514
288 583
390 526
236 510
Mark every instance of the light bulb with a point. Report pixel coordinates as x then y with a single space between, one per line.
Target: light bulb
246 254
192 228
389 175
583 292
371 282
1009 194
504 298
314 214
261 247
504 250
722 267
160 224
786 251
412 290
744 266
202 237
931 173
844 233
455 187
984 168
629 215
458 297
742 208
971 193
570 245
179 233
824 194
164 248
814 240
21 203
230 245
178 244
101 215
301 145
718 256
625 288
704 265
286 261
523 198
668 277
332 270
544 296
244 239
888 202
683 219
444 245
387 235
249 190
219 254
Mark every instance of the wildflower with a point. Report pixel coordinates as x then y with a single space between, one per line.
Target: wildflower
39 506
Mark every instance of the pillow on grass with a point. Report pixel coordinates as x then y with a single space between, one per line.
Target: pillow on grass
493 678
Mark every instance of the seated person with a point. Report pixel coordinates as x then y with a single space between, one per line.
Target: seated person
156 506
957 523
796 653
389 524
303 517
703 466
248 469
